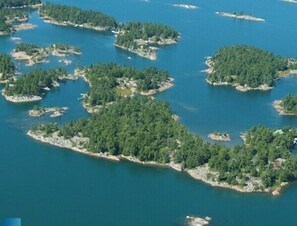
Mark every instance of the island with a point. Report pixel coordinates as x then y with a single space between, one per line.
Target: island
286 106
185 6
19 3
111 82
219 136
40 111
32 86
142 130
12 20
72 16
291 1
240 16
7 68
197 221
34 54
144 38
247 68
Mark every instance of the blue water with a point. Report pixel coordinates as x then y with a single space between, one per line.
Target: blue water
46 185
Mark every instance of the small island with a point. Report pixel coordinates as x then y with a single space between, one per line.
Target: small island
291 1
240 16
40 111
72 16
197 221
247 68
34 54
219 136
19 3
32 86
144 38
7 68
111 82
185 6
286 106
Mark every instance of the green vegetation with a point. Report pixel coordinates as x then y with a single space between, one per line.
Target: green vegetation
76 16
132 35
65 48
7 68
33 83
144 128
18 3
289 103
8 16
106 78
246 65
5 28
29 49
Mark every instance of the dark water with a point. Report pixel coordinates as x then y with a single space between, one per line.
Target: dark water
45 185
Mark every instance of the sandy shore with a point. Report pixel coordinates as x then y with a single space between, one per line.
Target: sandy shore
241 17
202 173
278 105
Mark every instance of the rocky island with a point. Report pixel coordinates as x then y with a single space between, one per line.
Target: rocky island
32 86
240 16
34 54
286 106
185 6
144 38
197 221
111 82
219 136
72 16
291 1
40 111
247 68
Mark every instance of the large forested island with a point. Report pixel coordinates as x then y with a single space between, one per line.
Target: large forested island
142 130
73 16
286 106
7 68
32 86
143 38
110 82
247 68
18 3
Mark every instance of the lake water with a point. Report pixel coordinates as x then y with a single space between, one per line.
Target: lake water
46 185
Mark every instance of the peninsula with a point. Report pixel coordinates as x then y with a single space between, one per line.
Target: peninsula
286 106
34 54
111 82
73 16
247 68
142 130
7 68
240 16
144 38
32 86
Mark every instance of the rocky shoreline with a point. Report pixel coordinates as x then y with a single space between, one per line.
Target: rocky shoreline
197 221
278 105
219 136
21 99
55 111
240 16
202 173
149 54
185 6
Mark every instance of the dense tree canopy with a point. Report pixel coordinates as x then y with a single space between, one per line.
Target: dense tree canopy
34 82
246 65
104 78
7 68
74 15
144 128
290 103
132 31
